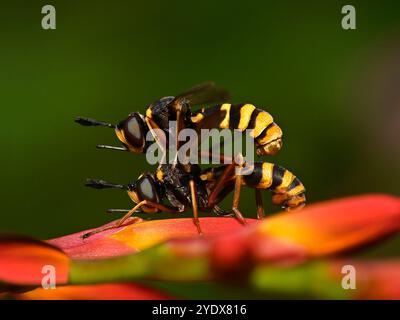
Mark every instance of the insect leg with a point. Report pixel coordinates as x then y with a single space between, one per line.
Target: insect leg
129 214
116 224
177 107
221 196
221 212
193 191
236 195
212 198
260 207
117 210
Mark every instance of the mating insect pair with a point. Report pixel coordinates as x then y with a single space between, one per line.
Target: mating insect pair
186 186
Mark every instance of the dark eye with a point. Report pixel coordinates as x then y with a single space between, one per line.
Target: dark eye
146 189
134 130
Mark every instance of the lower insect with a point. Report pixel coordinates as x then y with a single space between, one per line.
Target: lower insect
176 188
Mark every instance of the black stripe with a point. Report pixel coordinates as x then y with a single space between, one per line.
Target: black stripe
253 179
211 110
234 115
206 112
277 176
212 117
218 171
252 122
264 132
296 182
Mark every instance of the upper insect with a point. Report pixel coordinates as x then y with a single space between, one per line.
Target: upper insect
133 130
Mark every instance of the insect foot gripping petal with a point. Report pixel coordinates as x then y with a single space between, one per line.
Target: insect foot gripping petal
113 225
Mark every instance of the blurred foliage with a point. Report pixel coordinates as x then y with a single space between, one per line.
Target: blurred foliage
326 87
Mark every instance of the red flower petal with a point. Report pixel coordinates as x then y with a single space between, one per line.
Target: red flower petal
147 234
319 229
22 260
141 235
98 246
113 291
228 248
337 225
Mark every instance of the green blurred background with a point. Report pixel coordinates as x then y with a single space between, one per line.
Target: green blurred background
335 93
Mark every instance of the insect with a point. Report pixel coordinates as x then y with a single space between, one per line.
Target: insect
132 131
188 187
287 190
180 185
266 133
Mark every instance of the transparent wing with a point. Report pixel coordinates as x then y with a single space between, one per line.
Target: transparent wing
204 93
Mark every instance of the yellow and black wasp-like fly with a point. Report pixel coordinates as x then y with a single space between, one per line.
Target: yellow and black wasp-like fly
187 186
132 131
203 190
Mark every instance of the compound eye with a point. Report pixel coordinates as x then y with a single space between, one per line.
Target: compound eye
134 131
146 189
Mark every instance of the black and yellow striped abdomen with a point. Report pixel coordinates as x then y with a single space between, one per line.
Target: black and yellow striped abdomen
267 134
288 191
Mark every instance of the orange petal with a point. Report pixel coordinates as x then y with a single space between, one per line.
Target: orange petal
147 234
318 229
336 225
98 246
140 235
113 291
22 261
